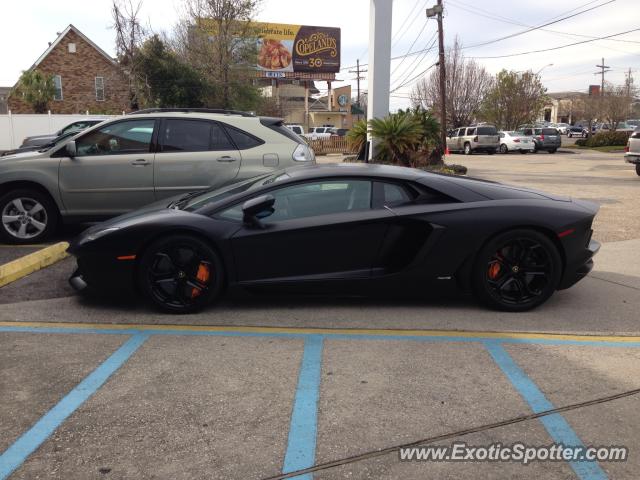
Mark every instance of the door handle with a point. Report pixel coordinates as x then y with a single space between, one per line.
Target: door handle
226 158
140 162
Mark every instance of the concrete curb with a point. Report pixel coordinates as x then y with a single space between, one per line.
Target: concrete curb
23 266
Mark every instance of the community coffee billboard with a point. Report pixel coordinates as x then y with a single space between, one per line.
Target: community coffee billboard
298 48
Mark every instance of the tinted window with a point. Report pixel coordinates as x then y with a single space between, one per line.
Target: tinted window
313 199
487 131
549 131
193 136
131 136
394 194
471 131
243 140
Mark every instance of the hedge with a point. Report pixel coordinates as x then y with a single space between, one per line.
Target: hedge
605 139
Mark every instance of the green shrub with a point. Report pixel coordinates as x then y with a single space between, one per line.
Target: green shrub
607 139
581 142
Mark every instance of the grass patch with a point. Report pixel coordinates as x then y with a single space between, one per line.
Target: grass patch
609 149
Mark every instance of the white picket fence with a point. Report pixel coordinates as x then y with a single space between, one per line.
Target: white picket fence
15 127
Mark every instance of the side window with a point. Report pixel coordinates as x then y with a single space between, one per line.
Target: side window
391 194
242 140
193 136
313 199
471 131
131 136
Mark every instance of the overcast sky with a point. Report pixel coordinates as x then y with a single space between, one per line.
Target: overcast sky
28 25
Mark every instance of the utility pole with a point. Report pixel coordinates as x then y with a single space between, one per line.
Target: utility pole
357 71
601 73
432 12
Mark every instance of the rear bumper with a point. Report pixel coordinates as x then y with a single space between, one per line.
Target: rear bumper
632 158
580 268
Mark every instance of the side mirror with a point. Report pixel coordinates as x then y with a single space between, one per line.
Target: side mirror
70 148
257 208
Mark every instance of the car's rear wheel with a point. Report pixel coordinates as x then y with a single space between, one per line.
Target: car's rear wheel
180 274
638 168
467 149
504 148
569 135
27 216
517 271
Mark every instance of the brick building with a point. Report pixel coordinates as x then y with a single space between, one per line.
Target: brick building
86 77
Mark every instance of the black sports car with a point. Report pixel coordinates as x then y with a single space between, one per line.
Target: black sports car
351 228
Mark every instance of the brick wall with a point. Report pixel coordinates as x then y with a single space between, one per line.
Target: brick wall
78 71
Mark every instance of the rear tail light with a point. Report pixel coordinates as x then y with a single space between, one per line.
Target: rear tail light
516 140
303 153
475 139
542 137
626 149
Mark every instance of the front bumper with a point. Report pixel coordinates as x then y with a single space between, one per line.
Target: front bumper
97 274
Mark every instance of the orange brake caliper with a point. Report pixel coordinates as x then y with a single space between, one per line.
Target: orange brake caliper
494 270
203 276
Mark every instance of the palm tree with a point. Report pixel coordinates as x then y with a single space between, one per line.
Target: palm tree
358 135
398 136
37 89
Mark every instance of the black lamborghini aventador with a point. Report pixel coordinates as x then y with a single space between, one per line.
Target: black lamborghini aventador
350 228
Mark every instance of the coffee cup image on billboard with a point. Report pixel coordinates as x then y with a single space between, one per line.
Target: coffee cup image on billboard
274 55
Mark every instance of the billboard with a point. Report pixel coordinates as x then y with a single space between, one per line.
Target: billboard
297 48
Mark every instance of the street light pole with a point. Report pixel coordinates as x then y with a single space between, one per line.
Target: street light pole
436 11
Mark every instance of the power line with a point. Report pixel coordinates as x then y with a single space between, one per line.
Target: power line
559 46
403 30
395 69
531 29
418 60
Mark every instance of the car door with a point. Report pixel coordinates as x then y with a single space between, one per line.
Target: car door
112 171
319 230
192 155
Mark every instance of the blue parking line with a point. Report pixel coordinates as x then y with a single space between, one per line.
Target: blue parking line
555 424
24 446
301 446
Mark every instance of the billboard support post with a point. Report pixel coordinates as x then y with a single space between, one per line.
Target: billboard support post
380 12
329 102
306 104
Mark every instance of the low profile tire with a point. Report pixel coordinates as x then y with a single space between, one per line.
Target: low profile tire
26 216
180 274
516 271
638 168
504 148
467 149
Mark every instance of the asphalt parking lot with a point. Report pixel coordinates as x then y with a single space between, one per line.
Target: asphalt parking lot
329 387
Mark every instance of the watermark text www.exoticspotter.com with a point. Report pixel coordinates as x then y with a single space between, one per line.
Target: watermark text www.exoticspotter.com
516 452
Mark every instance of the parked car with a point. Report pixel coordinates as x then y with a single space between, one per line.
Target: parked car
338 132
632 150
476 138
316 133
326 228
512 141
577 131
297 129
39 140
128 162
562 128
544 138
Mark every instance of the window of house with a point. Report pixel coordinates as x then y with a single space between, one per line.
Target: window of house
57 84
100 89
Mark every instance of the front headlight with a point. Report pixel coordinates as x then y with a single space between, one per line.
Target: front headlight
96 235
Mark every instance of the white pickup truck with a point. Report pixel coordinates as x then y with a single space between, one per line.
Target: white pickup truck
316 133
632 154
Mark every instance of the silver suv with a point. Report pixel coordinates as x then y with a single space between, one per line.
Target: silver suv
476 138
137 159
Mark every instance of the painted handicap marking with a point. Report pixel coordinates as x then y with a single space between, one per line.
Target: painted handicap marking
301 445
24 446
555 424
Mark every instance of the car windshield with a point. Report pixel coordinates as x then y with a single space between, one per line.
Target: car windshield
549 131
197 200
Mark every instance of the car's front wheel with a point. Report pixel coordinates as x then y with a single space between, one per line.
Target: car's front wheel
28 216
180 274
517 271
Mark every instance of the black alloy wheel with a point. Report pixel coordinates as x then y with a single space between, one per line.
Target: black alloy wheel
504 148
517 271
180 274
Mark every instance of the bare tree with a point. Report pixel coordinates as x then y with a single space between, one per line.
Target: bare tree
588 108
129 37
467 84
219 38
615 104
